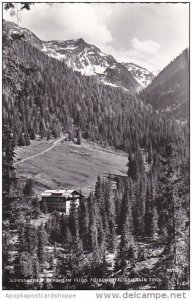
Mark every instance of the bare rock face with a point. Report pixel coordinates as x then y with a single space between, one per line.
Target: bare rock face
88 60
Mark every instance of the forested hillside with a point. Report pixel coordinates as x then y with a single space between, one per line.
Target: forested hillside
132 232
41 96
169 91
129 230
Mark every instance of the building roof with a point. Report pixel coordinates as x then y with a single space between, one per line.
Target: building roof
61 193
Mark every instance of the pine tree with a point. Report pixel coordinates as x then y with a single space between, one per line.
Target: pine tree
42 240
110 211
150 152
84 220
22 239
31 238
126 243
79 137
28 188
37 209
77 258
148 214
93 224
8 173
100 211
132 167
99 192
141 205
43 206
74 220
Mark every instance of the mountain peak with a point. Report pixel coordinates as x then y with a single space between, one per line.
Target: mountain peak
90 61
80 41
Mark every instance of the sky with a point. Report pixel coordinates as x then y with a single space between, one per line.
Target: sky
149 34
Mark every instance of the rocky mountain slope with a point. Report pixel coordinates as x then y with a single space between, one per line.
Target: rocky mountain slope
89 60
169 91
142 75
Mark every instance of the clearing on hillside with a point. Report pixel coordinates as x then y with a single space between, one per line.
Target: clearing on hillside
67 165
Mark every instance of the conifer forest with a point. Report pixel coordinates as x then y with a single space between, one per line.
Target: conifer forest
130 231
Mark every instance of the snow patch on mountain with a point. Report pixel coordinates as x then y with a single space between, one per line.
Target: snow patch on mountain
108 83
142 75
89 61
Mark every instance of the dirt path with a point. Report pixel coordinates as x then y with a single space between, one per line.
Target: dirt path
42 152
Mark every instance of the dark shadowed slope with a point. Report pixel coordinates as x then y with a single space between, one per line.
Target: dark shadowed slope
169 91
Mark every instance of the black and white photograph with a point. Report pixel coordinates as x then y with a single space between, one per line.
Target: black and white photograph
95 146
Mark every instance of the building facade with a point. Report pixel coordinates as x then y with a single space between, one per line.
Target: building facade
60 200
